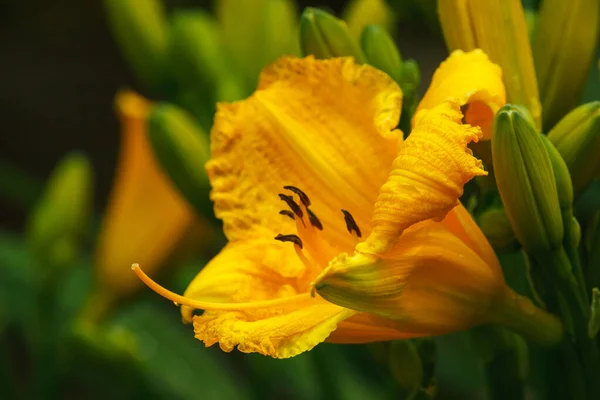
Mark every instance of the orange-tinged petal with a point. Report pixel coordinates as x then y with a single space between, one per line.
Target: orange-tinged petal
427 176
368 328
325 126
461 223
468 79
245 271
431 282
250 271
279 333
146 218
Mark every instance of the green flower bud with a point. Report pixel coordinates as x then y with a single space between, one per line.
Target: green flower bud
526 181
358 14
256 33
326 36
592 250
197 60
381 51
140 29
564 186
564 48
182 149
577 139
59 223
405 365
594 324
498 231
530 19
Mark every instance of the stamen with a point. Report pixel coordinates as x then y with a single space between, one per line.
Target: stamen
303 197
351 223
314 221
288 213
292 204
289 238
203 305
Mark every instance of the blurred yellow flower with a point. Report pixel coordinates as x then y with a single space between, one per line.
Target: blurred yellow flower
311 165
145 218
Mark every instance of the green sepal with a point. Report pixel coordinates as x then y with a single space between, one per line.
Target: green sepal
325 36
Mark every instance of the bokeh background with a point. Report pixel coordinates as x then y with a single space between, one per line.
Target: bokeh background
59 72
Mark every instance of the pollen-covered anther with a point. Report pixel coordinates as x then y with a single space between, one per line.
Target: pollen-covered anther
303 197
288 213
289 200
314 221
290 238
351 224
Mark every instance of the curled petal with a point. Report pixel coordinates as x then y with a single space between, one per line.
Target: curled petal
469 79
430 283
279 333
427 176
324 126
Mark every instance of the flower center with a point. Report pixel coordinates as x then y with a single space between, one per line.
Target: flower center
312 249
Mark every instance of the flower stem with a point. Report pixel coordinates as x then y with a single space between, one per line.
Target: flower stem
518 313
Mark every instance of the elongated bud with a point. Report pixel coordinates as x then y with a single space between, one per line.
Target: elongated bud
594 324
182 149
562 177
381 51
325 36
498 27
59 224
405 365
564 48
256 33
577 139
140 29
526 181
496 227
359 14
592 249
197 60
409 83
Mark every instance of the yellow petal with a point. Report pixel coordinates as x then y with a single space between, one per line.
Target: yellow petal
146 218
427 177
324 126
468 79
460 223
244 271
368 328
251 272
279 333
431 282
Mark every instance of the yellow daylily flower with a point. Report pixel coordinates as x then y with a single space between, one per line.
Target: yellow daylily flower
311 179
145 217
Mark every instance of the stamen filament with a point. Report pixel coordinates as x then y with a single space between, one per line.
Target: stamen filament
204 305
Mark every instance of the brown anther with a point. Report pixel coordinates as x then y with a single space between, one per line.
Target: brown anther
303 197
314 221
289 238
288 213
351 223
292 204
